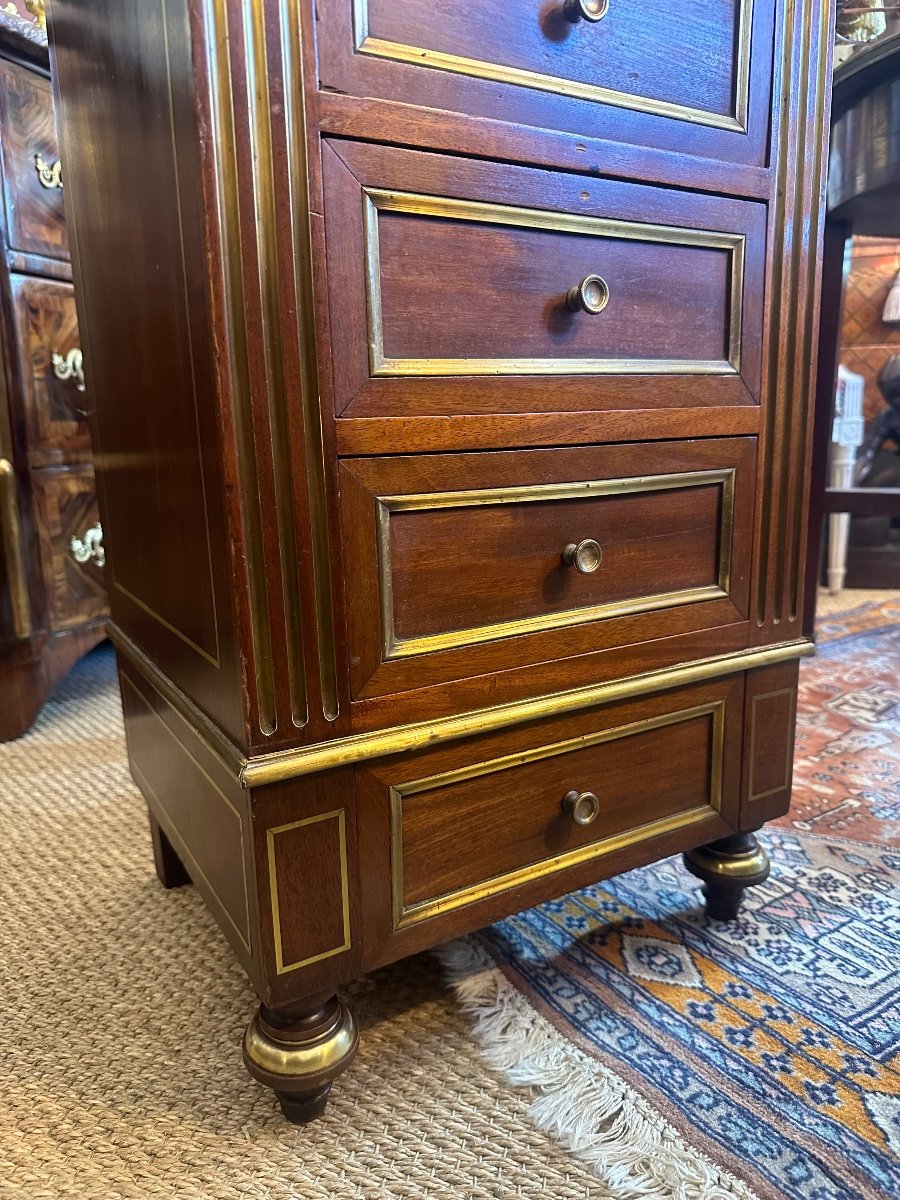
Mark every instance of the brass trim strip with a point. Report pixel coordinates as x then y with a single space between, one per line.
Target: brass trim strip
789 752
479 69
279 765
281 967
377 200
270 344
298 183
288 764
394 647
404 915
144 783
223 146
217 742
12 550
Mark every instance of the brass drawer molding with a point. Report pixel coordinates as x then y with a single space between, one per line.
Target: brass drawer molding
49 174
422 910
69 366
276 766
586 10
89 547
590 556
591 295
12 550
421 56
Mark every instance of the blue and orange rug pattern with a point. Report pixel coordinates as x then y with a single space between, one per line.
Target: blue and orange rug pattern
770 1044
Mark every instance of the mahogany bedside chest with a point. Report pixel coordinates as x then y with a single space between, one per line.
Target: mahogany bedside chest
456 517
52 598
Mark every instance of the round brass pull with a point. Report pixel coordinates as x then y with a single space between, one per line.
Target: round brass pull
590 296
586 10
582 807
585 557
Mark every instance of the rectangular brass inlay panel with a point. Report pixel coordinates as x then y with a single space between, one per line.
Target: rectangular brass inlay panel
377 200
789 753
337 814
394 647
479 69
404 915
195 870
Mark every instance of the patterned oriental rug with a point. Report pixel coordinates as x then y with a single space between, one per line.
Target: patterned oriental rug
689 1058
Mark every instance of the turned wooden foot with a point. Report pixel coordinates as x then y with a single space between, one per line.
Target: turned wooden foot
169 867
728 867
298 1052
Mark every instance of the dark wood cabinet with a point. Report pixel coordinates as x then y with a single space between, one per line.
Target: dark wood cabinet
52 598
458 512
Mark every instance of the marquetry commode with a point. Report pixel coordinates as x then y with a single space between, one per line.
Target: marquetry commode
52 599
456 519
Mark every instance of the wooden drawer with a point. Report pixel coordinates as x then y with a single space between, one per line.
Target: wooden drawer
46 330
449 289
695 79
72 559
32 180
455 564
478 823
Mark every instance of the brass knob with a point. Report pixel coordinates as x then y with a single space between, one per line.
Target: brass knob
582 807
590 296
586 10
585 557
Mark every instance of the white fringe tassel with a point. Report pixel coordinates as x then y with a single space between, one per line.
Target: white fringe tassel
581 1103
891 310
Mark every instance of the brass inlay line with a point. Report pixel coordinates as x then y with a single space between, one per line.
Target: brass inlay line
574 89
279 765
376 200
422 910
789 752
809 334
337 814
298 181
778 560
394 647
225 173
244 935
111 580
264 188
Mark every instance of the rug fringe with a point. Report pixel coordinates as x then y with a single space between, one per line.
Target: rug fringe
580 1102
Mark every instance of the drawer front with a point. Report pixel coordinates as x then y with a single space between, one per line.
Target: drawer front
694 80
53 393
71 542
450 553
459 286
472 824
32 177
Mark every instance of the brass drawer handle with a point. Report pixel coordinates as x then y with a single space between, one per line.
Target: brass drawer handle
585 557
590 296
12 550
582 807
69 366
586 10
49 174
90 547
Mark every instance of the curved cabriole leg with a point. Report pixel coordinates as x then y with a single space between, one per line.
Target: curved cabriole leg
299 1051
728 867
